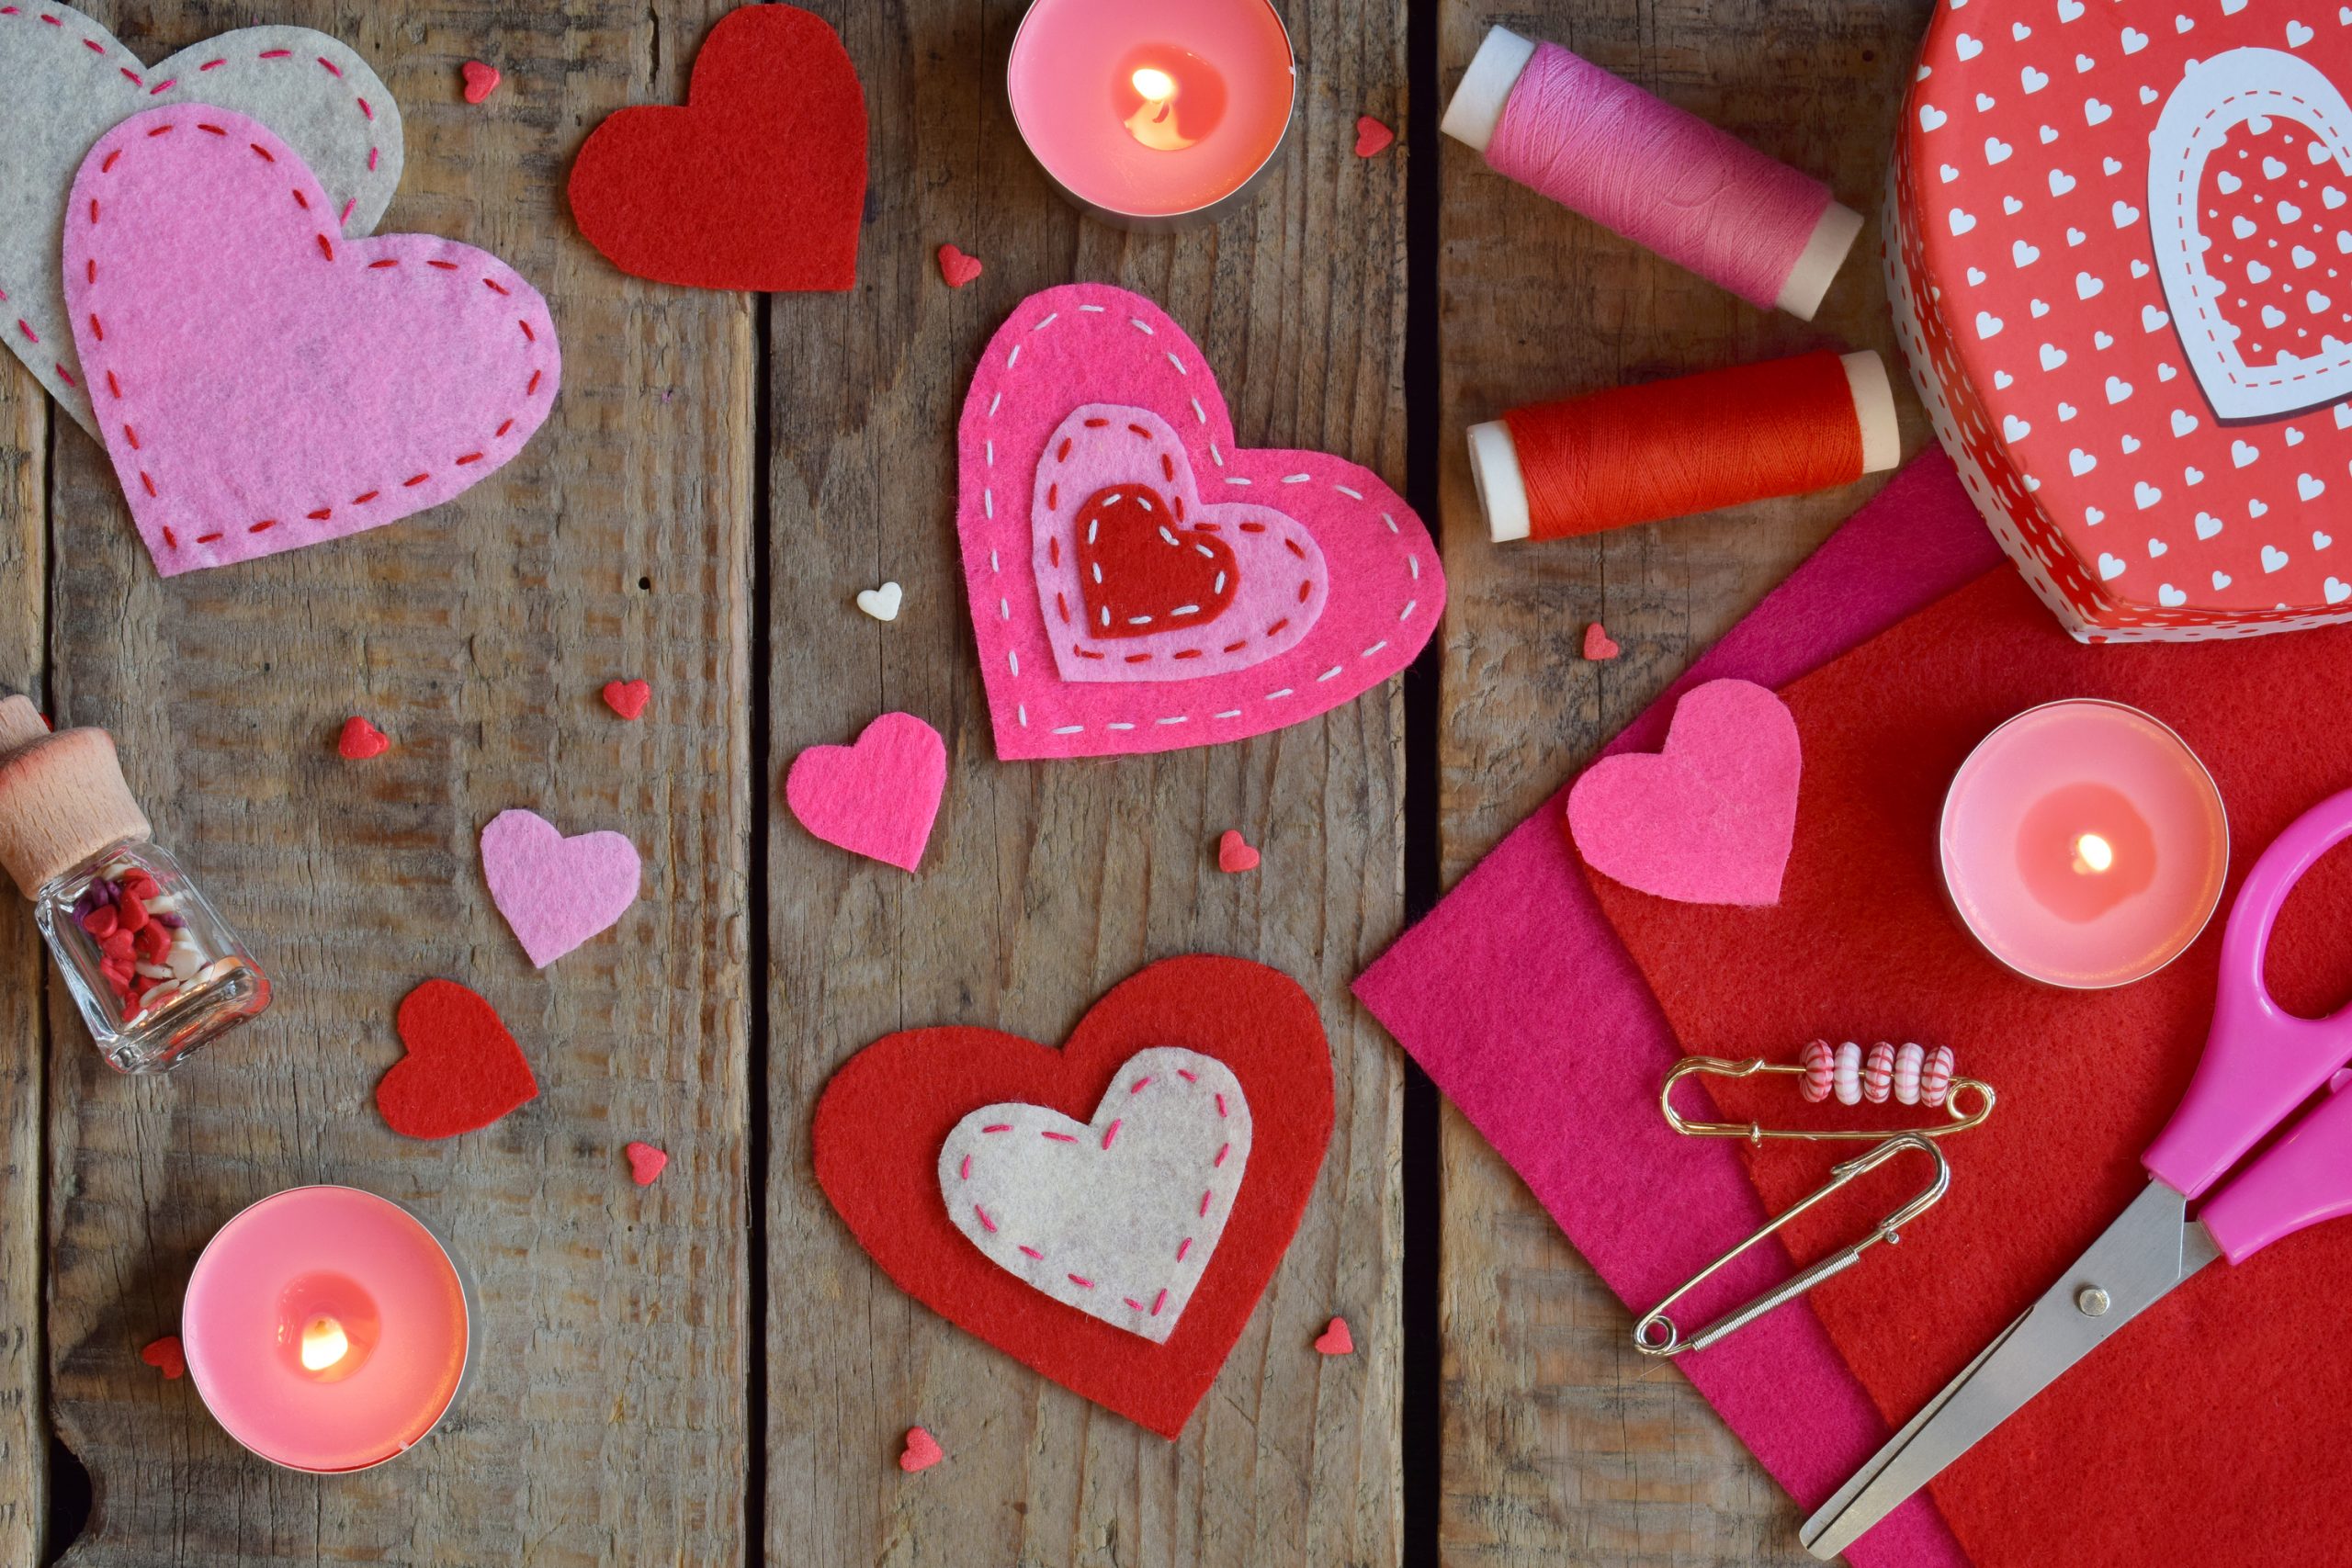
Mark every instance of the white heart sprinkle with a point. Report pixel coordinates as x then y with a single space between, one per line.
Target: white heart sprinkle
882 603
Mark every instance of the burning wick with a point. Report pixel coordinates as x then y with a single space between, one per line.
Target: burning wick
324 1344
2093 854
1154 124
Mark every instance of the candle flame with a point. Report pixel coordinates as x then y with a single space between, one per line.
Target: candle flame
2093 853
1154 124
324 1344
1154 84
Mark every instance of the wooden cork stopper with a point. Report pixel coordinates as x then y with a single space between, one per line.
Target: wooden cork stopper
61 798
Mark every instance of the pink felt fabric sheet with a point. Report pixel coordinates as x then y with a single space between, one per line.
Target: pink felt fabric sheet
1518 999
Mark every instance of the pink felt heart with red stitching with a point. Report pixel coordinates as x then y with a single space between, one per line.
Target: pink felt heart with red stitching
1139 582
264 383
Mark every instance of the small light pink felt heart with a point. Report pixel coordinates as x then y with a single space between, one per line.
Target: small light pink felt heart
556 892
922 1451
1710 819
264 383
956 267
876 798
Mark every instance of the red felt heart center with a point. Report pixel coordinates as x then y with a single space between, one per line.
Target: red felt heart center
463 1069
2280 230
1142 570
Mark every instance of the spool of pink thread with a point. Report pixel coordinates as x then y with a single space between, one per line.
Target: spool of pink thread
1656 174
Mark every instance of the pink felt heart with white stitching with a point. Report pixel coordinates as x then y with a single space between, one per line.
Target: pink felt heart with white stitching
1137 581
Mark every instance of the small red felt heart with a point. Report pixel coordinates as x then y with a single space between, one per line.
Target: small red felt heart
1141 570
463 1071
645 1162
361 739
922 1451
628 698
481 80
956 267
1598 644
1372 137
759 182
1336 1340
166 1357
1233 853
889 1112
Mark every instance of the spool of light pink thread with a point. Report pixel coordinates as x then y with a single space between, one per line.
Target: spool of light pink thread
1656 174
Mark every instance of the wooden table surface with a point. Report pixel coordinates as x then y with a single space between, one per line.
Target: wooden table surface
709 1371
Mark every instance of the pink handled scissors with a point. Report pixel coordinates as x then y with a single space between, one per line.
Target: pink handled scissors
2260 1064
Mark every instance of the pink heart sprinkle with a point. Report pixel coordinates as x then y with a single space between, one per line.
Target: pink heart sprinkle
956 267
361 741
876 798
165 1356
1372 137
922 1451
1598 644
645 1162
481 80
556 892
1233 853
1336 1340
628 698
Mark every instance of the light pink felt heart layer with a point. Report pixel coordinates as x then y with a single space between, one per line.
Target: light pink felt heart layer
1373 588
556 892
1117 1216
876 798
264 383
1710 819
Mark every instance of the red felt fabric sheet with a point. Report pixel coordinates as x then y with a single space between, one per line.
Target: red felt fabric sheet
2183 1439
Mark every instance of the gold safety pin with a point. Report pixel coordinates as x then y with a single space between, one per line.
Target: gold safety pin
1723 1067
1646 1336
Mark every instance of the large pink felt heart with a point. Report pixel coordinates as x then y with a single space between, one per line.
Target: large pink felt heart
1710 819
556 892
264 383
1138 582
876 798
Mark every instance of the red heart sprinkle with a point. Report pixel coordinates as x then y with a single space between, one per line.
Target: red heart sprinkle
361 739
1233 853
481 80
645 1162
1372 137
1336 1340
462 1071
628 698
166 1356
922 1451
1142 570
1598 644
956 267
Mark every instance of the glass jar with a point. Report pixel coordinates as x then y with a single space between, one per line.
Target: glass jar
154 969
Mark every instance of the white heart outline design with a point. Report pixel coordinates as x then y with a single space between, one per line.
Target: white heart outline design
1141 1270
2213 99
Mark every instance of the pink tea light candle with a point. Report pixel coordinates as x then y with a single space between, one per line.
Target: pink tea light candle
1150 114
327 1329
2083 845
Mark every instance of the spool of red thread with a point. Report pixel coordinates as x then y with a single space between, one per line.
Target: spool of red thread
1695 444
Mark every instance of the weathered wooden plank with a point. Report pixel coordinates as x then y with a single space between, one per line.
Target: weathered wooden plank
1047 882
605 1420
24 595
1561 1443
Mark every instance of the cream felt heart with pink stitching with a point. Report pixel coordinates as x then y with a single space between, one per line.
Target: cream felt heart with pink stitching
2219 242
1117 1216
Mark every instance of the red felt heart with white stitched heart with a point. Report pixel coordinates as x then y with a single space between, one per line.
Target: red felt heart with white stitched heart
887 1156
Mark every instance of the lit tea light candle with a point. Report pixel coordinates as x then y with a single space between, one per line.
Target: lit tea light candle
1150 114
326 1329
2083 845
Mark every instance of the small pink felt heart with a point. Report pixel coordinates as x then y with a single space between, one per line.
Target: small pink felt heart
1234 852
956 267
360 741
1336 1340
165 1356
876 798
645 1162
922 1451
264 383
556 892
1710 819
481 80
628 698
1599 644
1372 137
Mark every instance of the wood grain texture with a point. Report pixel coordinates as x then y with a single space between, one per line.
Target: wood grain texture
1561 1444
24 592
606 1418
1047 882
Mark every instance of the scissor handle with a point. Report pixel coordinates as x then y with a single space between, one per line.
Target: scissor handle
2260 1060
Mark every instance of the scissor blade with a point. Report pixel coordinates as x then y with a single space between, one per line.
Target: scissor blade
2149 1248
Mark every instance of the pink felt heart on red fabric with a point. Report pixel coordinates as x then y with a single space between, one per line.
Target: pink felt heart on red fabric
1710 819
1239 590
876 798
556 892
263 383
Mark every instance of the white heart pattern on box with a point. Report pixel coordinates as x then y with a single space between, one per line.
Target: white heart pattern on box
1117 1216
2214 99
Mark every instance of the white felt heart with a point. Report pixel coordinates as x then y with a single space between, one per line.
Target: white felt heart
65 81
2215 98
1118 1217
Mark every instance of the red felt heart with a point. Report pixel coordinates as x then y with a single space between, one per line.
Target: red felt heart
360 741
1142 569
759 182
481 80
166 1357
956 267
462 1071
889 1111
628 698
